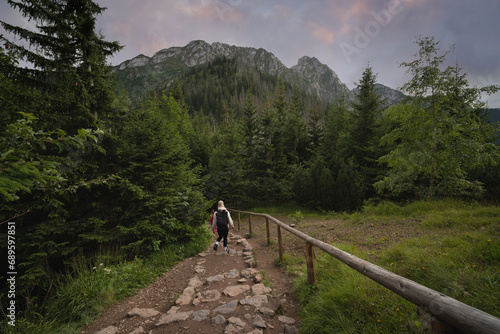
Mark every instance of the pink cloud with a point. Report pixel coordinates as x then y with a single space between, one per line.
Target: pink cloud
282 11
321 33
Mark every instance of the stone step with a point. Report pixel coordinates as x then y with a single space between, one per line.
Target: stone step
216 307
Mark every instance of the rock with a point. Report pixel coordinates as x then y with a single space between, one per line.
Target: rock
249 272
255 301
235 290
108 330
208 296
234 273
286 320
216 278
258 278
237 323
226 308
138 330
250 263
274 304
260 289
143 312
256 331
174 317
266 311
290 330
230 329
218 320
200 269
242 280
195 282
189 291
200 315
173 309
258 322
183 300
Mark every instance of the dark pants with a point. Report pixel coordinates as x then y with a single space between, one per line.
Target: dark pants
222 234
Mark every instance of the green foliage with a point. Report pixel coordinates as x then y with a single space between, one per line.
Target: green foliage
454 252
143 184
439 136
132 184
344 301
22 168
84 293
296 218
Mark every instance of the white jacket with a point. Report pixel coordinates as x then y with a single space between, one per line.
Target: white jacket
214 222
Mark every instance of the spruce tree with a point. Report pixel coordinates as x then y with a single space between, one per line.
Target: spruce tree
68 59
364 132
67 88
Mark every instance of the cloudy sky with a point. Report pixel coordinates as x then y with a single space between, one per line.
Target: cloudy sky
345 35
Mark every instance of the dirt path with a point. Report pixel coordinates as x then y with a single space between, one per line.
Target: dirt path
213 292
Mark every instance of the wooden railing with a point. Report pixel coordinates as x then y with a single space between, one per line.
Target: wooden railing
447 314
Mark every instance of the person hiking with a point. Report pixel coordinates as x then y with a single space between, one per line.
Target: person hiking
223 220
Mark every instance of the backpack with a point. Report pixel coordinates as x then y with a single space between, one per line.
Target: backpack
222 219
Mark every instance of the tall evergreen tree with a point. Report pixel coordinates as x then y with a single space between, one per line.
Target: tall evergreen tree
67 88
68 61
366 109
251 145
364 133
295 140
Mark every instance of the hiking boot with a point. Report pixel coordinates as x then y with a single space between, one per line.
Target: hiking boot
215 247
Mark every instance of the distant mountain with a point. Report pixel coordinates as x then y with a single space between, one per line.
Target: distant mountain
388 95
142 74
493 114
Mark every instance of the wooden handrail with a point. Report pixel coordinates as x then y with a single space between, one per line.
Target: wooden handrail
452 312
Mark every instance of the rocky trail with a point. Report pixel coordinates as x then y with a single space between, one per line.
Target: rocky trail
240 291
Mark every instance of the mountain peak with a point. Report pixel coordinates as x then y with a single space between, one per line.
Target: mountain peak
311 63
309 75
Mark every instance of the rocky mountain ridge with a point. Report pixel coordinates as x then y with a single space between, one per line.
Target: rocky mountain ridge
143 73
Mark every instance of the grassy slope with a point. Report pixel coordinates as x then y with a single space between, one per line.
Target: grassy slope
82 295
450 246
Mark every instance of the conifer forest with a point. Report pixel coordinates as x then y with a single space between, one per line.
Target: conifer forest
84 167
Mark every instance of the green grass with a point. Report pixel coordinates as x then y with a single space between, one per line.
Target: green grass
83 294
456 252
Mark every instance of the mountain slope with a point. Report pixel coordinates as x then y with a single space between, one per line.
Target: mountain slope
142 74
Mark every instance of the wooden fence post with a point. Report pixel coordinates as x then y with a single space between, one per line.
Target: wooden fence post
268 232
238 221
440 327
280 245
311 269
250 223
